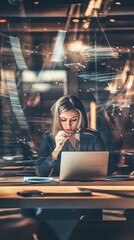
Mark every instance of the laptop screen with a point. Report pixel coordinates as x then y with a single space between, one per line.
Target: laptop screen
84 165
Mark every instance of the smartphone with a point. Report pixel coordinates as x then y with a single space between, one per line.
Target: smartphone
30 193
36 193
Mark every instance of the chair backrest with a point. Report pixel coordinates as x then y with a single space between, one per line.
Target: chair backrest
18 228
106 230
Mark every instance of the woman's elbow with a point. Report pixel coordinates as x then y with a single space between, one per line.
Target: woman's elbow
41 172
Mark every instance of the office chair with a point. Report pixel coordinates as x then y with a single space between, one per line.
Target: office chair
14 228
106 230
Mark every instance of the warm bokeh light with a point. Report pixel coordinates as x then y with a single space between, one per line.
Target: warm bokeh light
3 20
90 8
75 46
118 3
75 20
36 3
86 25
112 20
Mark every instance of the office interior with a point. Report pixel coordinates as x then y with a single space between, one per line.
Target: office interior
53 48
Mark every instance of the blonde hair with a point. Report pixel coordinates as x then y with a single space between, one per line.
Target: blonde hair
67 103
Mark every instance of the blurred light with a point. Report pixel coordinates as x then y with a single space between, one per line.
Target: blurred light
43 81
118 3
52 75
16 48
36 3
14 2
75 46
90 8
86 25
130 82
58 48
28 76
97 4
3 20
93 7
75 20
112 20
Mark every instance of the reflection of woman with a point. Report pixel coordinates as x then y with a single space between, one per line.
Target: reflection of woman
69 133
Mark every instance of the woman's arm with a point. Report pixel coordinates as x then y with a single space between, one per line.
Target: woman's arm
45 163
49 154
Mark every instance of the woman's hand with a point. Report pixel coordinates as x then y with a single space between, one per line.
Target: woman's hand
61 138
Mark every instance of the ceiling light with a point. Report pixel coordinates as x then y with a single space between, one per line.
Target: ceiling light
111 20
75 20
118 3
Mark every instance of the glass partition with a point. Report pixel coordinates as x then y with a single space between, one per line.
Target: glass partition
49 49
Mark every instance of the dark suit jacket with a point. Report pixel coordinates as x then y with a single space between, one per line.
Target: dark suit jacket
89 141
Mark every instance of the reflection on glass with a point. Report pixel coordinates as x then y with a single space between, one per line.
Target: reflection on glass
65 49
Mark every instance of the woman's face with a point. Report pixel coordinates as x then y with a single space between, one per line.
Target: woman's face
69 120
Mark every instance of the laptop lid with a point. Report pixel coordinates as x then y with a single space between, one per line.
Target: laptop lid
84 165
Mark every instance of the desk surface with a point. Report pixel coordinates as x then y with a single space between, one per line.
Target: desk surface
10 186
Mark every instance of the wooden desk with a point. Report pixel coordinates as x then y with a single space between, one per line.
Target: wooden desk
10 199
72 230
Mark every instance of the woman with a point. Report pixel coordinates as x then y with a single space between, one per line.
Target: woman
69 133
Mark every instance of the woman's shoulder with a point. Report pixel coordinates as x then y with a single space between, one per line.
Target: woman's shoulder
48 138
94 137
47 135
90 131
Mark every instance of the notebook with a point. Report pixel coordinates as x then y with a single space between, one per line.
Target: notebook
83 166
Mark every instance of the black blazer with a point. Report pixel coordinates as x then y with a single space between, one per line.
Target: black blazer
89 141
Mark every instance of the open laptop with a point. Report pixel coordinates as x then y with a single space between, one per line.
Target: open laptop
83 166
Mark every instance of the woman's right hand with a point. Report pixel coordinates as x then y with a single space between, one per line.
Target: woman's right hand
61 138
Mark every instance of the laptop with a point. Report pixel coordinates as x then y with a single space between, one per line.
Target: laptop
82 166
